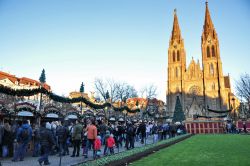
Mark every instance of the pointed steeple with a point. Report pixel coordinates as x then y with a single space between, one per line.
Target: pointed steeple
176 32
208 26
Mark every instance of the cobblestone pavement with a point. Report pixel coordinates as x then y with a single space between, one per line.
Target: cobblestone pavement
66 160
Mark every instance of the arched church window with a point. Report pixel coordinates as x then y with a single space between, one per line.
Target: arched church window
213 51
213 86
178 55
211 69
208 52
176 72
173 56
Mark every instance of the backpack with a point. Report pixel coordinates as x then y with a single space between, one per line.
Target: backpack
25 134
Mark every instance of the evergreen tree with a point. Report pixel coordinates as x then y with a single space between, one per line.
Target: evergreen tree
107 95
82 88
42 78
178 112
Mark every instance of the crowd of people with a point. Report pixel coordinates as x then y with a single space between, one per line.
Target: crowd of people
230 127
90 135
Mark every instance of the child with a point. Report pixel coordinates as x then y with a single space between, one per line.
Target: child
97 147
111 143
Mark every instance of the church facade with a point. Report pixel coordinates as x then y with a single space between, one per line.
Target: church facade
201 84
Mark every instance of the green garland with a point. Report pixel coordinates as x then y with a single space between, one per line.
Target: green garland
57 98
27 109
220 116
219 112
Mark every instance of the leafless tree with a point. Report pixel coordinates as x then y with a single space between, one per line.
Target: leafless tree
243 87
117 90
125 91
149 91
102 87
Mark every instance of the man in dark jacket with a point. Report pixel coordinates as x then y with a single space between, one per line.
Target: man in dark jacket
23 137
46 141
142 131
62 135
130 139
76 138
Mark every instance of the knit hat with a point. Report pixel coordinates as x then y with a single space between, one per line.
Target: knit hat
99 137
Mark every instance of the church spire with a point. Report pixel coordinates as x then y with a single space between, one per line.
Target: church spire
176 32
208 26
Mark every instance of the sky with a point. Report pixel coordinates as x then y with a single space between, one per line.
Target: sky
126 40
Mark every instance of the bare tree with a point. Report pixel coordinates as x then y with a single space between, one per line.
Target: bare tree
112 86
243 87
101 87
117 90
125 91
149 91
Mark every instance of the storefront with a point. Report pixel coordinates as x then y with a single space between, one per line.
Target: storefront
51 113
25 111
72 115
100 115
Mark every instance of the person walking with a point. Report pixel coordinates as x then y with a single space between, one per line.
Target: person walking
62 134
7 141
76 138
244 127
130 136
111 143
1 136
47 142
97 147
24 135
91 135
142 131
36 139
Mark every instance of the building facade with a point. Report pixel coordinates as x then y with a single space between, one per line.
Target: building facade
198 87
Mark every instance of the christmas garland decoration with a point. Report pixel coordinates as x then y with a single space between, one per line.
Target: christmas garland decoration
4 111
57 98
220 116
34 112
219 112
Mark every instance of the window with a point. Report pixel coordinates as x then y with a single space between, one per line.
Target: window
213 51
173 56
211 69
208 52
176 72
213 86
178 55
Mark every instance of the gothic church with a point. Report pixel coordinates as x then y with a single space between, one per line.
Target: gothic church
196 86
